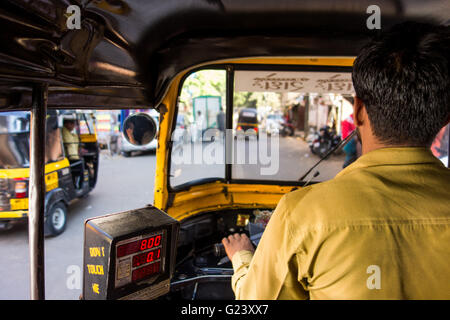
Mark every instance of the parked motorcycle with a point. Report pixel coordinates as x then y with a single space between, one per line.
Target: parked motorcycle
323 141
287 129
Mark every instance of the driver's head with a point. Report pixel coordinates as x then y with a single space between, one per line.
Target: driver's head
402 79
69 124
129 128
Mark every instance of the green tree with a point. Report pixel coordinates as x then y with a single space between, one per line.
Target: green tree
213 83
204 83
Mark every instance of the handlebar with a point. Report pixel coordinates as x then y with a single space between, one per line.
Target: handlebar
219 249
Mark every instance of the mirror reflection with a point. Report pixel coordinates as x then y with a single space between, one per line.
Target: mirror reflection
139 129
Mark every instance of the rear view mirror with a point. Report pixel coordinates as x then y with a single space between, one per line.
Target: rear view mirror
139 129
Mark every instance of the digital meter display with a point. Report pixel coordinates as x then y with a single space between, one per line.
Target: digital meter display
139 258
129 255
139 245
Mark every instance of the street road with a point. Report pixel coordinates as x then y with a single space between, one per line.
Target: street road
255 160
123 184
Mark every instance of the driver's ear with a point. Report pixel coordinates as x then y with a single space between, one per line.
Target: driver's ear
448 120
359 111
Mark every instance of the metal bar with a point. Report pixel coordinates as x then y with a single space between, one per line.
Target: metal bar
339 145
198 279
37 192
306 124
229 139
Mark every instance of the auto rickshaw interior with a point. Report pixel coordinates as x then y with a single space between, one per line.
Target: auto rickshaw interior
150 54
202 271
254 91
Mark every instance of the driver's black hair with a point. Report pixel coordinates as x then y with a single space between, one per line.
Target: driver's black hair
403 78
138 130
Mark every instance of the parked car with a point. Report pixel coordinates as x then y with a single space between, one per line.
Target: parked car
273 123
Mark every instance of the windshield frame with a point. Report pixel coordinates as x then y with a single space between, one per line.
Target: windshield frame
230 68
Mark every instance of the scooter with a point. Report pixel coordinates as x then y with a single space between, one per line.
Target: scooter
287 129
323 141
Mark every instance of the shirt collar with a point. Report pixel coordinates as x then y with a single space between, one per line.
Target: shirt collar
393 156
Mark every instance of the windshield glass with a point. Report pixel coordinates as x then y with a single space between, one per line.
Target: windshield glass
86 123
294 109
281 124
273 135
15 139
198 139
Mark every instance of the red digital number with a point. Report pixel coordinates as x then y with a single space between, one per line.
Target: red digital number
146 257
157 240
150 256
146 271
144 244
139 245
150 242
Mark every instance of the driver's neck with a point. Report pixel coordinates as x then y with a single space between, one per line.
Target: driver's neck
371 143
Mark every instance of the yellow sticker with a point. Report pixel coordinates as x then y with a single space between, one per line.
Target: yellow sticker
97 251
51 181
95 269
95 288
19 204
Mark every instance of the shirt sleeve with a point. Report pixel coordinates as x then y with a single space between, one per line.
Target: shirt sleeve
272 272
241 262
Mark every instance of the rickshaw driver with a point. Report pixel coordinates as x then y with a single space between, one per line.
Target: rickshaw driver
70 140
380 228
71 145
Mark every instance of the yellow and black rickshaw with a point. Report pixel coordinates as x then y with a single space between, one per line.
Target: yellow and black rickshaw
247 120
67 177
140 54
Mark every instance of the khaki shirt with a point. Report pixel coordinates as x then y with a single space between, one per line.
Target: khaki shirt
378 230
71 143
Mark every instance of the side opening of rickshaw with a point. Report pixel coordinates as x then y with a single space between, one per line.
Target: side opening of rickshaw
65 179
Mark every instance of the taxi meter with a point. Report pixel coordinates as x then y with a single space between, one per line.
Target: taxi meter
129 255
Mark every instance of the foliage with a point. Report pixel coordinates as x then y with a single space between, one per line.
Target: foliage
213 83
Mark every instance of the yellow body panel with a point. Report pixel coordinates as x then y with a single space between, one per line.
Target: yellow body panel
25 172
167 112
51 181
19 204
311 61
218 195
88 138
19 207
13 214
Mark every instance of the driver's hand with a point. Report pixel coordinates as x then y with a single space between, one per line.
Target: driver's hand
237 242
